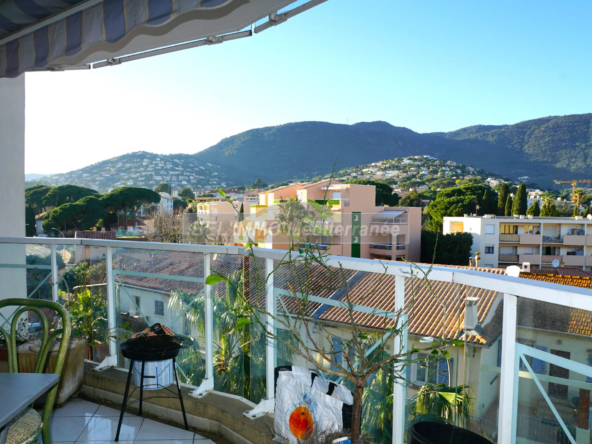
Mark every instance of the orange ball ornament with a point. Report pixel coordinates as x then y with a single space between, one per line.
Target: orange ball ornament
301 423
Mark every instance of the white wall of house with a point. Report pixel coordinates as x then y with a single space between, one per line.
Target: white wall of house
12 183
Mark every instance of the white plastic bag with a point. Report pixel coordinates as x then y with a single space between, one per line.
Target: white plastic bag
304 410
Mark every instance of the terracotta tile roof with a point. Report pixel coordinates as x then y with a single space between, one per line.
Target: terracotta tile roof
535 314
562 271
430 311
170 263
333 182
583 281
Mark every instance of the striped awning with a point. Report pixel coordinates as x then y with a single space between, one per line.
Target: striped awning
62 34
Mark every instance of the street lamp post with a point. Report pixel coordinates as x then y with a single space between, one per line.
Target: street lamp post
59 232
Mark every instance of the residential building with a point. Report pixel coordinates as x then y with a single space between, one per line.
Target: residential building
166 203
359 227
538 241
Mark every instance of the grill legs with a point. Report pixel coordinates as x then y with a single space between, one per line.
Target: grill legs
180 395
125 395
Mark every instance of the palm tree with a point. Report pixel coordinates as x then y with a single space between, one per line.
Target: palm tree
294 221
577 196
199 233
444 403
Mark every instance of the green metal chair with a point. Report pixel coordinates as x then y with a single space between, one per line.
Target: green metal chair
30 426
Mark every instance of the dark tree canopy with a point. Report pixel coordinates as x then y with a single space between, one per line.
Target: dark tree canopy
458 201
35 197
384 192
504 190
186 193
81 215
519 205
509 205
163 188
449 249
534 209
129 199
413 199
258 184
67 194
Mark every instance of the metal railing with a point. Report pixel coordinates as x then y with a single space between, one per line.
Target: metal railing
542 430
123 295
511 238
508 258
382 246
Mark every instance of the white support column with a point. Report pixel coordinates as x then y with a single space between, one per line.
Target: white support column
400 346
54 274
111 314
267 405
112 359
207 384
12 184
508 407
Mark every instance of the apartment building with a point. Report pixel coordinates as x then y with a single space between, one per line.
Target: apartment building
359 228
538 241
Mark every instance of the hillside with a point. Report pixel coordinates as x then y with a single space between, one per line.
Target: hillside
144 170
542 149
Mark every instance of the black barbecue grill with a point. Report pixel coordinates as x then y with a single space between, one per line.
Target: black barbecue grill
157 343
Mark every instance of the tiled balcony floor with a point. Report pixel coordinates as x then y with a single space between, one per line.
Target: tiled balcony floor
81 421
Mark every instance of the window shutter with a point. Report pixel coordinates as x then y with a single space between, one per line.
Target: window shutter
499 353
538 366
443 376
588 378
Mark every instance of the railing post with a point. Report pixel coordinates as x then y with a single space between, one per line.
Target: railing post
400 346
54 274
267 405
270 307
111 315
508 407
207 384
209 317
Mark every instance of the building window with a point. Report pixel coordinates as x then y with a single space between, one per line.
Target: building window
137 308
509 229
489 229
489 249
159 308
425 370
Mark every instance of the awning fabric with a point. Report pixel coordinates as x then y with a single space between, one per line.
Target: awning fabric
386 216
101 24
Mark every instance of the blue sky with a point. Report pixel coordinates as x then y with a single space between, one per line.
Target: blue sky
428 65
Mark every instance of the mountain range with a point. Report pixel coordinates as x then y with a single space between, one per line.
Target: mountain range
558 147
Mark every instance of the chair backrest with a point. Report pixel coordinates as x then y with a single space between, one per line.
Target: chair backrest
35 305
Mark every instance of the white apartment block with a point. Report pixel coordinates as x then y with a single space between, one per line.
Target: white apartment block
504 240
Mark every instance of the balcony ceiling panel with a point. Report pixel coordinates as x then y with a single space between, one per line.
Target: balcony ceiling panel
57 34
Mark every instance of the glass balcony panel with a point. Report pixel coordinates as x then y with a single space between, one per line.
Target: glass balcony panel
231 342
469 370
144 295
554 350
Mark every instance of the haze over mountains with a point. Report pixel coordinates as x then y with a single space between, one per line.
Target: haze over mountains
543 149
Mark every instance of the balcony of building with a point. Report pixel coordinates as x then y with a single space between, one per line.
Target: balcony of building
508 258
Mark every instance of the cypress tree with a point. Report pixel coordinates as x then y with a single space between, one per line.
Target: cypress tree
520 201
508 210
502 199
534 209
485 204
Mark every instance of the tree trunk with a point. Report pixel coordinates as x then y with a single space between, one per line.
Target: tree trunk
356 429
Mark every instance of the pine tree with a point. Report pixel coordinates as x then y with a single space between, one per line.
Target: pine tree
534 209
508 210
502 199
520 201
485 204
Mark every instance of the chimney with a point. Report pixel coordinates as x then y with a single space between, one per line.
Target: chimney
477 259
471 313
103 229
526 267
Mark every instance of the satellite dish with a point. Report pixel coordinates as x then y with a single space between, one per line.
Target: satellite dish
555 263
513 270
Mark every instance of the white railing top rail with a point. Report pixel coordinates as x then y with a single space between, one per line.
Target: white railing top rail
543 291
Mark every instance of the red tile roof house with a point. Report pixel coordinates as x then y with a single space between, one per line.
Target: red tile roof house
441 311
